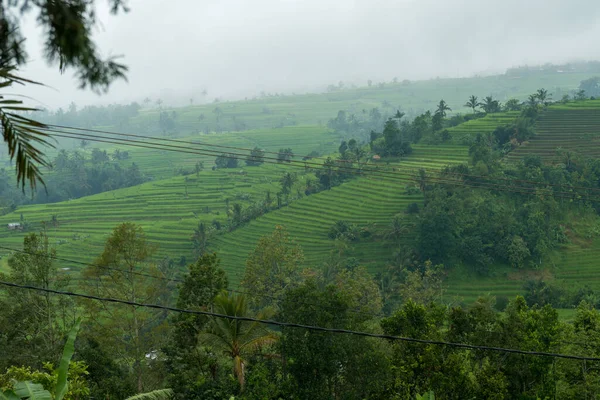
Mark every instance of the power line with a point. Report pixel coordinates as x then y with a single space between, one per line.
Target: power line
277 153
302 326
400 177
175 280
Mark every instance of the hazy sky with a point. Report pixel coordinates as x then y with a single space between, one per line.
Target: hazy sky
236 48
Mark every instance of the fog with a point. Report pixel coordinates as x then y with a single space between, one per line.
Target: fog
236 48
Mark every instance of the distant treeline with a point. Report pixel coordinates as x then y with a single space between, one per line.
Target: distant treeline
74 174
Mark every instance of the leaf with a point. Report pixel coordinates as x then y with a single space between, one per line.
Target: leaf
31 391
61 382
8 395
21 133
161 394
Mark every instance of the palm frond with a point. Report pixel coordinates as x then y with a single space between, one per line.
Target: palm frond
22 135
160 394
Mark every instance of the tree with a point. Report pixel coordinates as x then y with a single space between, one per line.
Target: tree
68 27
442 108
65 382
326 366
591 86
234 338
518 252
398 115
543 95
512 105
34 321
490 105
580 95
129 331
472 103
186 362
200 239
287 182
226 160
272 267
285 155
256 157
99 156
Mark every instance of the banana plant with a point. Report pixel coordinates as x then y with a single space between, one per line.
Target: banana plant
27 390
160 394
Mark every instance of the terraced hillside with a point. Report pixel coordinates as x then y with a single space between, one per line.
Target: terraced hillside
573 265
170 209
482 125
572 127
271 111
370 201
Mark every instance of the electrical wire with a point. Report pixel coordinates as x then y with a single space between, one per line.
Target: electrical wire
277 153
400 177
175 280
301 326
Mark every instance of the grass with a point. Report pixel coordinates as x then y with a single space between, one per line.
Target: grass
367 201
168 214
483 125
170 207
573 127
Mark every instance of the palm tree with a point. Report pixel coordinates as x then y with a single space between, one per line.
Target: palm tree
472 103
442 108
399 114
234 338
532 100
490 105
398 229
543 95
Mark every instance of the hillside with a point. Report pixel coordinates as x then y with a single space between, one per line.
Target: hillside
571 127
170 207
370 201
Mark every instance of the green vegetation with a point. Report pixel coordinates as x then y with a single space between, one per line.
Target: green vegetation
383 219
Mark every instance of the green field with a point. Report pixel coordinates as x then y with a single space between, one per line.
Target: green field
483 125
169 207
573 127
169 215
367 201
316 109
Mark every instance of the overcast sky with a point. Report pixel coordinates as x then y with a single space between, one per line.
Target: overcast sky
237 48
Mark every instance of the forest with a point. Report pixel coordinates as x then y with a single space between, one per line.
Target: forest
126 349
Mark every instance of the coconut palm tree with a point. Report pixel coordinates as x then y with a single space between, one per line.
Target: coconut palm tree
398 229
472 103
399 114
532 100
490 105
442 108
234 338
543 95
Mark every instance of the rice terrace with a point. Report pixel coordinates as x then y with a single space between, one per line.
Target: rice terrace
228 225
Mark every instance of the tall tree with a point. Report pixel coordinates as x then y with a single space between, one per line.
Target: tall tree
234 338
187 362
33 323
543 95
125 271
256 157
442 108
472 103
272 267
490 105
